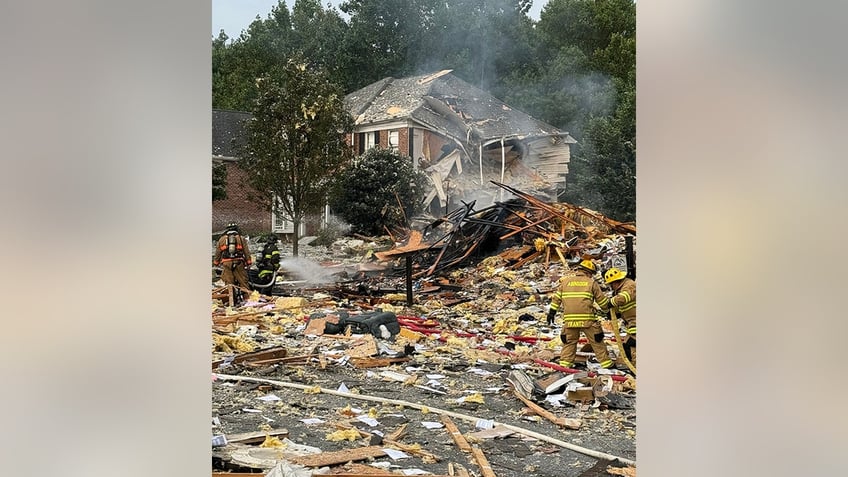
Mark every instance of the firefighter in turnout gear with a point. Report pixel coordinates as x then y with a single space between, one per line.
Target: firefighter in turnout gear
575 296
269 261
623 301
233 256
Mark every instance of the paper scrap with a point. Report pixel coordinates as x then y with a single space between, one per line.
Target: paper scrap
435 376
312 420
247 409
394 376
432 425
480 372
368 420
396 454
415 472
270 398
485 424
555 400
343 388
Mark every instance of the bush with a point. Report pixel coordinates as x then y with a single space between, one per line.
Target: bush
366 193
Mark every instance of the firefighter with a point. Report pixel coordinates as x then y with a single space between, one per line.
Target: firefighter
623 301
269 261
233 256
575 295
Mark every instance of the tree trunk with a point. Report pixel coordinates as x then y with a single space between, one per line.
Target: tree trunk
295 237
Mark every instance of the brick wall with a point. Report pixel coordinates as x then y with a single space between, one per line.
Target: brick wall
252 218
403 141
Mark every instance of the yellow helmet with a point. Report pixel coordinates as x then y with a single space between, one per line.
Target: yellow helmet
589 265
613 274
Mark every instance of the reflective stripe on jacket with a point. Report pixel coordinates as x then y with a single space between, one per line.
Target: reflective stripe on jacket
624 301
575 295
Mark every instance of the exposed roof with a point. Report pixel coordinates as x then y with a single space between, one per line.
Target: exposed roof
227 132
445 103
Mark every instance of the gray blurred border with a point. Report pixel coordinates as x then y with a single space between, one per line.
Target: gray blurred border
105 136
105 193
741 211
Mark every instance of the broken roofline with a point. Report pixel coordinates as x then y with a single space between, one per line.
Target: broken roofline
415 104
529 137
463 141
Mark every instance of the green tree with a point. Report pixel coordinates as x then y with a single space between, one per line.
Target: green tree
380 189
597 38
385 38
258 51
296 141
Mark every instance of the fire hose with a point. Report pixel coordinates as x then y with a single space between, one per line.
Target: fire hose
615 333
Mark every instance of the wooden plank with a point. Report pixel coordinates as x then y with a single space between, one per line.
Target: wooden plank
367 347
482 462
376 362
316 326
540 410
258 436
288 360
236 316
339 457
456 435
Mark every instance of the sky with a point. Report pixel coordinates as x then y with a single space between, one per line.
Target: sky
233 16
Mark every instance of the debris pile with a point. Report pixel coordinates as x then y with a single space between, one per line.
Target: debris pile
540 228
351 379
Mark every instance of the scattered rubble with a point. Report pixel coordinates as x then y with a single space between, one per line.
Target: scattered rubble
461 380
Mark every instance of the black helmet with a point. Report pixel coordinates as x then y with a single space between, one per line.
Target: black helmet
272 238
232 226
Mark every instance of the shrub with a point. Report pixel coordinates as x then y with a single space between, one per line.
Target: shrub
378 189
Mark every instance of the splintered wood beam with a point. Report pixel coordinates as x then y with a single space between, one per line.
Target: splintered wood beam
376 362
482 462
522 229
453 234
539 203
289 360
526 260
338 457
258 436
562 259
540 410
456 435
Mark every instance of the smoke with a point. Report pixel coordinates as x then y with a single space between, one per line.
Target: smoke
308 270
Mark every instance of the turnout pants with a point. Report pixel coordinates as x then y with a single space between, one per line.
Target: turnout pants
595 334
234 273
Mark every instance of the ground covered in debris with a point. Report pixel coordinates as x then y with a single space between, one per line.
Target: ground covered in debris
283 390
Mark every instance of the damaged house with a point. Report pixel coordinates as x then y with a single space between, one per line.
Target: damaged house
461 137
227 138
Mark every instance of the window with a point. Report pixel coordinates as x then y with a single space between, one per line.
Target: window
393 141
371 140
